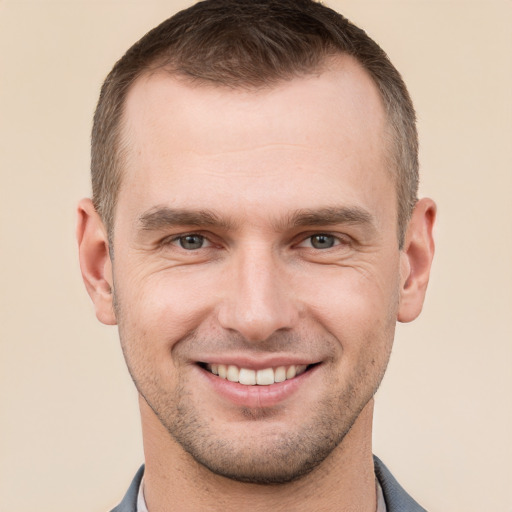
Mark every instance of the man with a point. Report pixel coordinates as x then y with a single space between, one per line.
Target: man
255 234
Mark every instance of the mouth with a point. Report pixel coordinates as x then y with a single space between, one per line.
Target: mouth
251 377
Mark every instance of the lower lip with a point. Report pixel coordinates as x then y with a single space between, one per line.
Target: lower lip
257 396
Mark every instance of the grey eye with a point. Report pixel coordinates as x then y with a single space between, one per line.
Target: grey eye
322 241
191 242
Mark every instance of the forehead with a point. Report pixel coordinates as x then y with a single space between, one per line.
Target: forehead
340 92
327 129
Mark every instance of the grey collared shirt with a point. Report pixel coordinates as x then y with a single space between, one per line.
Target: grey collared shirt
141 502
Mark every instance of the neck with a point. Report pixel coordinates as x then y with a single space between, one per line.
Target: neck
173 480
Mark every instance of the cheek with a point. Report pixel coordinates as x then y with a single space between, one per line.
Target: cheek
353 298
359 309
162 308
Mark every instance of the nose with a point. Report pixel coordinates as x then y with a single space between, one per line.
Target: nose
258 299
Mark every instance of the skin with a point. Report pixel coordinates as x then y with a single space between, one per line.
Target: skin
256 175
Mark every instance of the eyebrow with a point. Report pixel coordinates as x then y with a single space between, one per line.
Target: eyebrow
165 217
329 216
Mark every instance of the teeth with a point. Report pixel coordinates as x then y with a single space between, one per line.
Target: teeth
263 377
247 377
280 374
233 373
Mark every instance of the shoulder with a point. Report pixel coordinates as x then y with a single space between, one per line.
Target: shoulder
395 496
129 503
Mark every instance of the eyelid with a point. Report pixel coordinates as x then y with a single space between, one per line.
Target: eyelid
174 240
302 239
339 239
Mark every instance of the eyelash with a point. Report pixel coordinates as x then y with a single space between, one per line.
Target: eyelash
336 241
336 238
175 240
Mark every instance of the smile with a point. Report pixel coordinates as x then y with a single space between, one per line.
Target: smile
248 377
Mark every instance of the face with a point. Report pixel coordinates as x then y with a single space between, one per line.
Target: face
256 265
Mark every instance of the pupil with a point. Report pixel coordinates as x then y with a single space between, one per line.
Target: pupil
191 241
322 241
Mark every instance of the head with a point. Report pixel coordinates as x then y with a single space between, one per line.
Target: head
253 175
251 45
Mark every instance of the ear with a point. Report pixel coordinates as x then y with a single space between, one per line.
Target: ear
416 260
95 261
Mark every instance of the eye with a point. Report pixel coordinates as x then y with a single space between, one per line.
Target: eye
191 242
321 241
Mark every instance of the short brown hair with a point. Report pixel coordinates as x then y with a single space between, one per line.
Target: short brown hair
251 44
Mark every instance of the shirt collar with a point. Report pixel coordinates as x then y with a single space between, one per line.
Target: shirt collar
142 507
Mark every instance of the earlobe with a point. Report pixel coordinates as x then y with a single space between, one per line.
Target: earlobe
95 261
416 260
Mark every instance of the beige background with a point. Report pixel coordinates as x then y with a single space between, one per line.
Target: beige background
69 427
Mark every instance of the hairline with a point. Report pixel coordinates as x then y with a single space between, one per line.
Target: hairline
390 136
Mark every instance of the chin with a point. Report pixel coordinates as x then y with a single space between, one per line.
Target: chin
265 450
267 463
